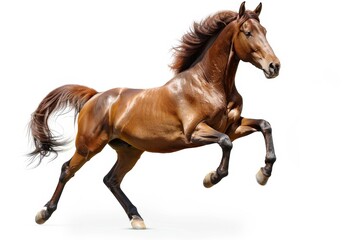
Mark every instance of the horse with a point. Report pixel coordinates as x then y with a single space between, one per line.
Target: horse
200 105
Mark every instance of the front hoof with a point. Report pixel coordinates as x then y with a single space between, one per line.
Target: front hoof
261 178
207 180
137 222
42 216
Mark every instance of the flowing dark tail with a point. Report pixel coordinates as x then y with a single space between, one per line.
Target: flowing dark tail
67 96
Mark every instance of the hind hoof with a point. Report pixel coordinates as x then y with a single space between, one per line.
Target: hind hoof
261 178
137 223
41 217
207 180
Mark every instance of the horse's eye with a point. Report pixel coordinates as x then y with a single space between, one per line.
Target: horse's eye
247 34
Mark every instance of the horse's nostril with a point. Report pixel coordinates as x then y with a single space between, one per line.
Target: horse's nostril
274 67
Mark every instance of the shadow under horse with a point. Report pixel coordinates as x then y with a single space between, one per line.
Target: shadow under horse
200 105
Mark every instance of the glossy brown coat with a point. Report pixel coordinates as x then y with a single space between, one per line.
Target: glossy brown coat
199 106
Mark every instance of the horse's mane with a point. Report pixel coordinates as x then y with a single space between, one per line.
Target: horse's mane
195 41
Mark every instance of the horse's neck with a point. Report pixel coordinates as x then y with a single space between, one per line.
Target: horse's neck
220 63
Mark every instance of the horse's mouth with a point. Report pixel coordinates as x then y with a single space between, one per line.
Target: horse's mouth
270 74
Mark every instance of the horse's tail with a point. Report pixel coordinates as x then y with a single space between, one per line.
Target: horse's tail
67 96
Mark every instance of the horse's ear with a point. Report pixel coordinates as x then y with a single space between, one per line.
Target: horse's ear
241 9
258 9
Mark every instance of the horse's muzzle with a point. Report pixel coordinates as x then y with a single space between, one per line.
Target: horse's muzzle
273 70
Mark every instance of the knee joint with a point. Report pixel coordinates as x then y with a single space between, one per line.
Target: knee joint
265 127
225 142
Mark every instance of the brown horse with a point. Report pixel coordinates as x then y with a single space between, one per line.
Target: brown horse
199 106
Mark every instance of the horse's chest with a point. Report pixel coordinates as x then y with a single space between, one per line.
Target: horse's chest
217 119
226 118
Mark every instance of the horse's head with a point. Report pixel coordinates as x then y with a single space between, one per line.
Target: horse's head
250 42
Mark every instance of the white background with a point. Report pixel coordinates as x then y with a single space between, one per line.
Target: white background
312 106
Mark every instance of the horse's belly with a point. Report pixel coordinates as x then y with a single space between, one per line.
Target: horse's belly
155 139
151 132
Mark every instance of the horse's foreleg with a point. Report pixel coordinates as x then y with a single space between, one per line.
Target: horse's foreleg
204 135
248 126
127 158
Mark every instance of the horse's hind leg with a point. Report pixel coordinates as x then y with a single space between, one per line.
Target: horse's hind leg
127 158
68 170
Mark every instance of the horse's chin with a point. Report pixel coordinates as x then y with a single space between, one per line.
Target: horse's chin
270 75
